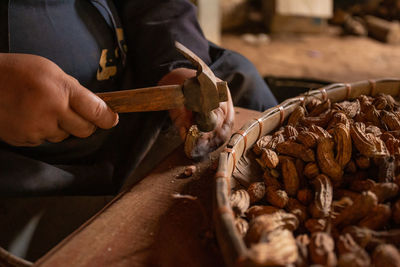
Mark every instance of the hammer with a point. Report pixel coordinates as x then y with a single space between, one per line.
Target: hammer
200 94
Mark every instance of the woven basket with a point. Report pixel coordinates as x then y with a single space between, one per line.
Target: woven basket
237 167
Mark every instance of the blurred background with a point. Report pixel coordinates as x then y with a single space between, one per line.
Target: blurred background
302 44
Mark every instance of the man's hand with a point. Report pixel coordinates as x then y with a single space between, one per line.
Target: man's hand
183 118
39 102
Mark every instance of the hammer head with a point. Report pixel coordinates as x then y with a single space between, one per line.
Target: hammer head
204 92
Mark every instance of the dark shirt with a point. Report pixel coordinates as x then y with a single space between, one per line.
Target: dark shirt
85 38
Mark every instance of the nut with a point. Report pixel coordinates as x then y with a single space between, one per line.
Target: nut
321 249
291 179
311 170
240 201
256 191
326 160
276 197
296 150
258 210
323 196
269 158
280 250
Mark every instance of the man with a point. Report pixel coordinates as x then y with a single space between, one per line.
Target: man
57 136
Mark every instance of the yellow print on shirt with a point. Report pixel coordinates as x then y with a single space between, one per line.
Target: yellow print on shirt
105 71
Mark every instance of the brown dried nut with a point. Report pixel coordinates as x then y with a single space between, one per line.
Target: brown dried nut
386 255
343 144
256 191
391 103
369 238
368 144
396 212
351 109
380 147
311 170
269 158
362 205
296 150
380 102
258 210
316 225
340 193
312 104
296 116
323 196
305 196
326 160
362 185
351 254
302 242
377 218
290 133
339 205
280 250
353 259
270 180
363 162
276 138
291 179
321 121
261 143
386 135
385 191
295 207
386 169
321 132
308 139
275 173
276 197
372 115
351 167
320 108
391 121
192 137
365 100
374 130
321 249
264 224
300 170
240 201
362 236
339 117
242 226
345 244
393 146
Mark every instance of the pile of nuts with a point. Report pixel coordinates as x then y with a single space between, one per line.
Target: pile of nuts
329 194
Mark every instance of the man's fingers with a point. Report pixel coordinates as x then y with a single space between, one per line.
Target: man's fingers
74 124
57 136
91 107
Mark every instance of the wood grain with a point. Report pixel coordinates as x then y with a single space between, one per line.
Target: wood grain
145 99
146 226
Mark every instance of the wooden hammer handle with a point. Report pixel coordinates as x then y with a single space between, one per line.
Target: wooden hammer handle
145 99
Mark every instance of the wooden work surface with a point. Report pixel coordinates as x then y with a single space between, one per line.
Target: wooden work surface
145 225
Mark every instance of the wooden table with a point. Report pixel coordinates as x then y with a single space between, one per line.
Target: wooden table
145 225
